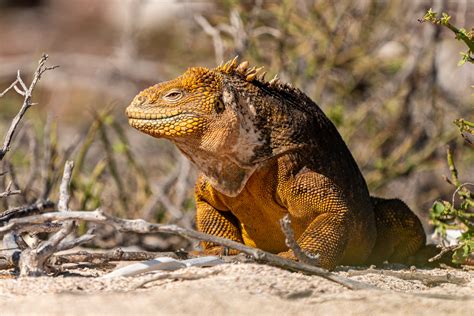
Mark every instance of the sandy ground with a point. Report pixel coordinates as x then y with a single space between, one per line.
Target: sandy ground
238 289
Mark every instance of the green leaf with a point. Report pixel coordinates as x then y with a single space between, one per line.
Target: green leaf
438 208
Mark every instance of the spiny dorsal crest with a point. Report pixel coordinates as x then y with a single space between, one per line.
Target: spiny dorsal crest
243 70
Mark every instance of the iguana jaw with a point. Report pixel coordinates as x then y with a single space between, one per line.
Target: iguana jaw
174 125
162 121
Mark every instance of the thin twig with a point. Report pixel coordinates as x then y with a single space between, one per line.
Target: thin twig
175 276
26 102
444 250
302 256
9 88
452 167
8 191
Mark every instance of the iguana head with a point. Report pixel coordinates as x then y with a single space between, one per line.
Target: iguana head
180 108
220 118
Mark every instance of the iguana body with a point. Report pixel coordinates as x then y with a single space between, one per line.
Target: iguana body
264 149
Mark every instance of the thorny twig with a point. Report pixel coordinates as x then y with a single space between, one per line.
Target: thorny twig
26 92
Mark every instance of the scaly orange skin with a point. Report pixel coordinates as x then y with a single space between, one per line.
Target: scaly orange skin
264 150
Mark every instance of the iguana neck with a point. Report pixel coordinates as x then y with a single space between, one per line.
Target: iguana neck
224 173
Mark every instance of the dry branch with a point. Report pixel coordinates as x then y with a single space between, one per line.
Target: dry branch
142 227
26 210
27 93
175 276
50 246
33 260
114 255
427 279
10 87
302 256
94 259
8 191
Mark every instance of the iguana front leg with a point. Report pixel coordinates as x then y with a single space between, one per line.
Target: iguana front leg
321 211
215 222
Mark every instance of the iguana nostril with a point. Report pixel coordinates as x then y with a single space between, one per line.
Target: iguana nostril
139 100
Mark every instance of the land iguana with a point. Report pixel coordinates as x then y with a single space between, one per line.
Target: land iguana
264 149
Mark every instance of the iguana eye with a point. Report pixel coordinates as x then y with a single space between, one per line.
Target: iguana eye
173 95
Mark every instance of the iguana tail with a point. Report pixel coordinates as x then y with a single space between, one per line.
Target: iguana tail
401 237
400 234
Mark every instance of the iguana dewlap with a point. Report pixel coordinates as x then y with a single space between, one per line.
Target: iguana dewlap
264 149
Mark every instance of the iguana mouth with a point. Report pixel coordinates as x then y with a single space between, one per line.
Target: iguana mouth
169 124
146 116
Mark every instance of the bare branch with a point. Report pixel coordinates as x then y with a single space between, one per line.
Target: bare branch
114 255
64 195
13 85
302 256
8 191
69 244
23 85
428 280
142 227
26 103
49 247
175 276
444 250
26 210
32 261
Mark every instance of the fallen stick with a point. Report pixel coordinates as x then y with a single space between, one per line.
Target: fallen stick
143 227
426 279
92 258
175 276
163 263
26 210
114 255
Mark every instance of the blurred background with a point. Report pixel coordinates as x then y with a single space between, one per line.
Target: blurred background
390 83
